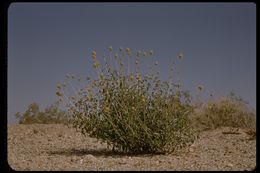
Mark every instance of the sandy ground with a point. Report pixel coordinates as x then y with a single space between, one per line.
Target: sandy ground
57 147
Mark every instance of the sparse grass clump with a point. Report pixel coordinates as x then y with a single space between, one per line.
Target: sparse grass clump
230 111
129 111
51 115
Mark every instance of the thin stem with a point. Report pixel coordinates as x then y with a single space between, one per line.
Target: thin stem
128 65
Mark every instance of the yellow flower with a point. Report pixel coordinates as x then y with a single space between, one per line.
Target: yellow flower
128 51
180 55
59 86
138 77
200 87
131 77
106 109
59 94
96 64
116 55
110 48
94 55
143 99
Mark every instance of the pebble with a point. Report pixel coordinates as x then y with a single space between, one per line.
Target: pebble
73 159
123 161
191 150
230 165
91 158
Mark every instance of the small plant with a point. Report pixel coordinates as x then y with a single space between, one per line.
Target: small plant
129 111
230 111
51 115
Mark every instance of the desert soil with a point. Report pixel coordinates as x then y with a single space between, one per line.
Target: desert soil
57 147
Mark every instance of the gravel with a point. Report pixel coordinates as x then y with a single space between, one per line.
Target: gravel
53 147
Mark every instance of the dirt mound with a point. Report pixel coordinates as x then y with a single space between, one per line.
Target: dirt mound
57 147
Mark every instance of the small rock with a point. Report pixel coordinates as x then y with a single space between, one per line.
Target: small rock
192 145
191 150
90 157
73 159
230 165
35 131
123 161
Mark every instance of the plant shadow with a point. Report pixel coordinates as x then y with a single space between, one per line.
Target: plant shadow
98 153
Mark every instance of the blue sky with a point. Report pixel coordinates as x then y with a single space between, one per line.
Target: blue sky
48 40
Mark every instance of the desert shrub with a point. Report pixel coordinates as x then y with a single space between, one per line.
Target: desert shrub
51 115
231 111
129 111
